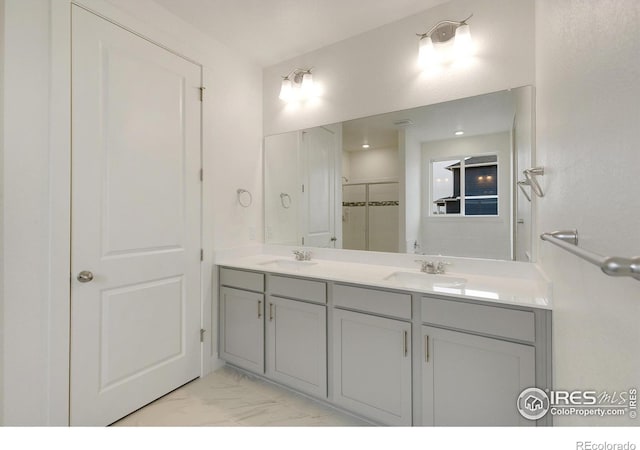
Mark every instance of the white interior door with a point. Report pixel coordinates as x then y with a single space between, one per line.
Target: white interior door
135 221
319 148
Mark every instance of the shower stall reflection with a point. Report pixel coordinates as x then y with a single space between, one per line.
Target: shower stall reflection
370 216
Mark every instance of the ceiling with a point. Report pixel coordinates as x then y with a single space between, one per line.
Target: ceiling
483 114
271 31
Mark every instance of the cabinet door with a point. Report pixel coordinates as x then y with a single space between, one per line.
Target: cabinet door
372 366
242 328
471 380
297 345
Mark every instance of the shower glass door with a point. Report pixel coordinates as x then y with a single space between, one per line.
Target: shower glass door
370 216
354 216
383 227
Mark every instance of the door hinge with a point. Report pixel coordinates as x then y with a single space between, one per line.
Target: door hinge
202 330
202 88
201 254
201 174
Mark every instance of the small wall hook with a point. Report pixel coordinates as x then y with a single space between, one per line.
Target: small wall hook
244 198
530 175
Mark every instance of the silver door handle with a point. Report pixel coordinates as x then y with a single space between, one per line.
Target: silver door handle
426 348
85 276
406 344
270 312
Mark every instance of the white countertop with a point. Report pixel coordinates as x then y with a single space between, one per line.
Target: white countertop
500 288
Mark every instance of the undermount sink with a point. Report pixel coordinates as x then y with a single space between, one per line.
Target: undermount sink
288 264
425 280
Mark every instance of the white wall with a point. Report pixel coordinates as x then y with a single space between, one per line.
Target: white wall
35 183
2 56
26 218
376 72
478 237
373 165
588 112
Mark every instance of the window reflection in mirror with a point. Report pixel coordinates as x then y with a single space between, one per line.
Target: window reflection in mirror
478 174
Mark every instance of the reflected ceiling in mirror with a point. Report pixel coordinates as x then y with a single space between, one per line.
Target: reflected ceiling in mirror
369 183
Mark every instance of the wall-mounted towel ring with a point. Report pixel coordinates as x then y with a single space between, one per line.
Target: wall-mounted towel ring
521 185
244 198
285 199
530 175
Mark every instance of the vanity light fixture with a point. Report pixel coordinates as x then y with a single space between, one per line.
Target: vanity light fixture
365 146
459 133
435 45
297 85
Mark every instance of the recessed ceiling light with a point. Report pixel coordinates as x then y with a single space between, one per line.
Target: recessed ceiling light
365 146
459 133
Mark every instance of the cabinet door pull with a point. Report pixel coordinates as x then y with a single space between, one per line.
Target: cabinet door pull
270 312
406 345
426 348
259 309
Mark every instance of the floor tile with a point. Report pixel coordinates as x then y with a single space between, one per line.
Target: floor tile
229 397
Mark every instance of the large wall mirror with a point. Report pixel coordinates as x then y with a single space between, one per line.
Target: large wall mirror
439 180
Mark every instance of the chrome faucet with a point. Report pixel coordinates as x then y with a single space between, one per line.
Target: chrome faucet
302 255
432 267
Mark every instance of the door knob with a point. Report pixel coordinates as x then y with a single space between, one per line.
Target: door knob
85 276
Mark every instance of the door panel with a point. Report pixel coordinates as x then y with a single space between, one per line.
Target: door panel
372 366
297 344
133 141
471 380
135 221
319 149
242 328
123 314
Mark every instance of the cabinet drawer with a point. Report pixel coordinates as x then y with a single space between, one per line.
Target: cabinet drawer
372 300
250 281
313 291
508 323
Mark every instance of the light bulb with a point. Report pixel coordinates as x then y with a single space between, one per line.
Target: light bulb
306 88
426 52
463 43
286 91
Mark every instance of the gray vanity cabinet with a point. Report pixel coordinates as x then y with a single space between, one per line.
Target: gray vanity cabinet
297 344
372 366
352 345
469 379
277 326
242 328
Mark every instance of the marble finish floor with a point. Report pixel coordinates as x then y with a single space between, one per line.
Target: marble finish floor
229 397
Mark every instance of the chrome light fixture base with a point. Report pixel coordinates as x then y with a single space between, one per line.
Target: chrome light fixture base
434 45
443 31
297 85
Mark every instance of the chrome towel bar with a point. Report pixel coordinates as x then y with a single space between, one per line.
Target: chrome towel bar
615 266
